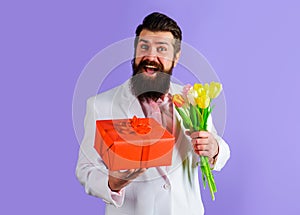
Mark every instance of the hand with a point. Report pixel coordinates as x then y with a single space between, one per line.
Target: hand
204 144
119 179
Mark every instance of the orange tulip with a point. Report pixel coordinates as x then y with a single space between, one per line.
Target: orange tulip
178 100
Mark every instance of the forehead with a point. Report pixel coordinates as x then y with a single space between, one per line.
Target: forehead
158 36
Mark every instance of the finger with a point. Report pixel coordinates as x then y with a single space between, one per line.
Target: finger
136 173
140 171
125 170
203 153
200 141
121 171
200 134
128 174
195 135
203 150
203 134
121 174
201 147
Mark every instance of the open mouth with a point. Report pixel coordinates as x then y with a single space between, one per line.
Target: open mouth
150 69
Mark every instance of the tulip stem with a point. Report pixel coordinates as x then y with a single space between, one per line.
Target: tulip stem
207 176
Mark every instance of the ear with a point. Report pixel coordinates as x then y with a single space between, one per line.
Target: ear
176 58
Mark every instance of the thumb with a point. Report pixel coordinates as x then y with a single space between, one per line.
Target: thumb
188 132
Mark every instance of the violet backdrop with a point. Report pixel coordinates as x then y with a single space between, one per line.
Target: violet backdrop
252 45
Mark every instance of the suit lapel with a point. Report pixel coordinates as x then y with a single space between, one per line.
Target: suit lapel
127 103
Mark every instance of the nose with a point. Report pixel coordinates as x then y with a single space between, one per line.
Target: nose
151 54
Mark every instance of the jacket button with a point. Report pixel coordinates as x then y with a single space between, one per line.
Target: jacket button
167 186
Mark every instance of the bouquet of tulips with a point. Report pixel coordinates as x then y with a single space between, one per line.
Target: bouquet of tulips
194 107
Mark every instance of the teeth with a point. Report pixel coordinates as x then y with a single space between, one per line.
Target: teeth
151 67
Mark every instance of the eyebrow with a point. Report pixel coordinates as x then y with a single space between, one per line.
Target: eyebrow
143 40
160 42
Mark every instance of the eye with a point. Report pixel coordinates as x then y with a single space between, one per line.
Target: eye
161 49
144 47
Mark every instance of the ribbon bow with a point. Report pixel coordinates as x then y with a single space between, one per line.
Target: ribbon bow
140 126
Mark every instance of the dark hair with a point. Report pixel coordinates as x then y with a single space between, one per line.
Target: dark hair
160 22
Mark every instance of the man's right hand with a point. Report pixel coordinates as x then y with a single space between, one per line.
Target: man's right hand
119 179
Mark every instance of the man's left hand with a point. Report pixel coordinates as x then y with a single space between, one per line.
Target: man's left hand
204 144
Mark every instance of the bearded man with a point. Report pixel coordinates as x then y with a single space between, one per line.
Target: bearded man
161 190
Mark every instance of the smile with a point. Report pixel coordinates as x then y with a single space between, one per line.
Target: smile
150 69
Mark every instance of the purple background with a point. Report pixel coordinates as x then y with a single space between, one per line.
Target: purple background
253 46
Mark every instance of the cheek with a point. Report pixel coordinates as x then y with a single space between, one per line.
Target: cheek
167 63
139 54
137 60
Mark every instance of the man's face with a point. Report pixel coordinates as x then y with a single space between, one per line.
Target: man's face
153 64
155 50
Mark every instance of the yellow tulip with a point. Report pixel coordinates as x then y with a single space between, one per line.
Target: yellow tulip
206 87
197 86
215 89
203 90
203 101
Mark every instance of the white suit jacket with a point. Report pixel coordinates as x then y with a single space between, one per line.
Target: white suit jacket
171 190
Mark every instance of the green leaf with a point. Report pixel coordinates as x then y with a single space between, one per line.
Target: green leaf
186 120
193 116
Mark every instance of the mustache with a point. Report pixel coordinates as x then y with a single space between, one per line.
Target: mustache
158 65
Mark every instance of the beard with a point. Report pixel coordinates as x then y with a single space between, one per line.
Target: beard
147 87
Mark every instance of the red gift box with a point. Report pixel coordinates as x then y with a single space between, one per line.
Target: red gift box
133 143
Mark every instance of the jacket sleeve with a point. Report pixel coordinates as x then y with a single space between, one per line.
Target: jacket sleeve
224 151
91 171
